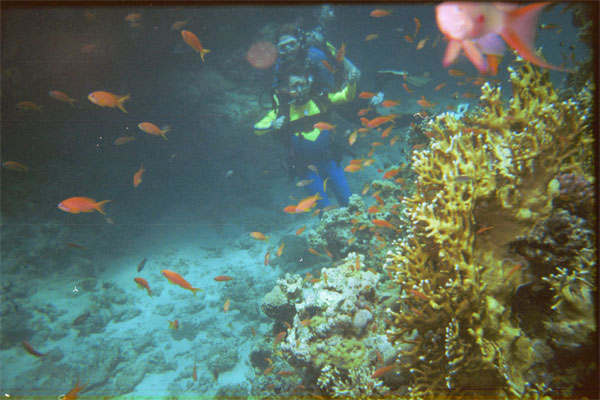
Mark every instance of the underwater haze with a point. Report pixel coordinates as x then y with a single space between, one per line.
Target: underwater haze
155 245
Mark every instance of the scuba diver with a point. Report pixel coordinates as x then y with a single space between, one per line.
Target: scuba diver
313 154
296 47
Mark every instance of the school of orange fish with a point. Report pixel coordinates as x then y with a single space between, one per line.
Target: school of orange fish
379 124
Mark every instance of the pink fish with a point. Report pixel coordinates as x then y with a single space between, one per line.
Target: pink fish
477 28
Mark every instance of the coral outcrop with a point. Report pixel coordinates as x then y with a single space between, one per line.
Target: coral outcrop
487 182
336 338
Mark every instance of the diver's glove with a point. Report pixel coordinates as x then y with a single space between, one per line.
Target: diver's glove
278 123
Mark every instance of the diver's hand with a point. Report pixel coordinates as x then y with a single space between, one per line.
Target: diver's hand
278 123
353 74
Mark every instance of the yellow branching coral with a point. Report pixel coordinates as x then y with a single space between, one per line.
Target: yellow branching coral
486 179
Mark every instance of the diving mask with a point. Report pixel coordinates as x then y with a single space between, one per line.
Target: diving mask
287 44
298 87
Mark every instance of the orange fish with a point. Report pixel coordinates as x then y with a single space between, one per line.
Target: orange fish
280 249
268 370
484 229
370 37
324 126
259 236
133 17
469 26
468 95
300 230
328 66
15 166
76 205
73 393
142 283
177 279
366 95
227 305
405 86
192 40
107 99
177 25
137 177
386 132
194 374
123 139
308 203
58 95
279 338
29 348
383 223
29 105
363 111
366 188
313 251
417 25
512 271
379 200
408 39
353 168
352 138
304 182
378 13
418 294
441 85
421 43
152 129
375 122
267 258
383 370
424 103
222 278
456 72
341 53
285 373
391 173
76 246
390 103
373 210
291 209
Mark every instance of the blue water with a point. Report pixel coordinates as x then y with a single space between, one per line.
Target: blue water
204 190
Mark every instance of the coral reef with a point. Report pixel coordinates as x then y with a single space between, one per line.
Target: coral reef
576 196
488 180
336 229
336 338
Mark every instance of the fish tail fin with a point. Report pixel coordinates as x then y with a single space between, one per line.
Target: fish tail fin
72 103
203 52
452 52
164 135
99 206
166 129
195 289
519 32
121 101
